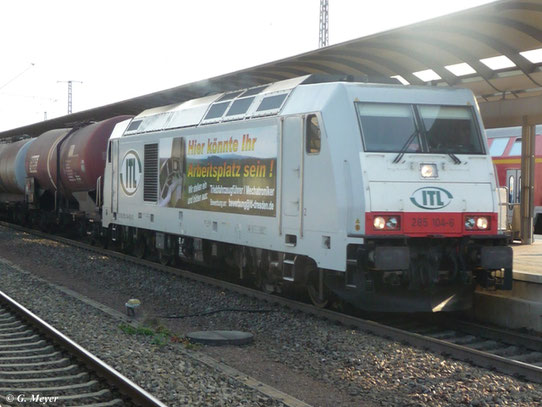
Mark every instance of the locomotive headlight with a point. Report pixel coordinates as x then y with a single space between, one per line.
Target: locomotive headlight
476 223
392 223
379 223
482 223
428 170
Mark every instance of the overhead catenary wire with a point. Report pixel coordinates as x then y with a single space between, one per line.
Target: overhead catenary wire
17 76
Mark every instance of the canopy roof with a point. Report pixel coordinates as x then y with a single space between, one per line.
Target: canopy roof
455 50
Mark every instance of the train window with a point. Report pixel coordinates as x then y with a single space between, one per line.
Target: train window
388 127
516 148
450 129
134 125
240 106
271 102
229 96
511 189
312 134
498 146
254 91
217 110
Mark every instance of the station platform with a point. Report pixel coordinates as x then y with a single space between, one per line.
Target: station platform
522 306
528 261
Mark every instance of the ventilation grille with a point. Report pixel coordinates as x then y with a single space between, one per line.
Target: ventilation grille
150 173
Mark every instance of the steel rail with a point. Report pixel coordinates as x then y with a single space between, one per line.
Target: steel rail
460 352
501 335
124 385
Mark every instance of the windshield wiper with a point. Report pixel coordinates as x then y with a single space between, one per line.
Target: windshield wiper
405 147
455 158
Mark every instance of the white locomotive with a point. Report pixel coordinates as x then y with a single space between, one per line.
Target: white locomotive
382 195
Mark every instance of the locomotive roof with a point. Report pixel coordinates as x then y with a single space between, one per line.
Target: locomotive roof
225 106
271 99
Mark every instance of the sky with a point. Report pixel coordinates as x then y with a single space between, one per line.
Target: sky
121 49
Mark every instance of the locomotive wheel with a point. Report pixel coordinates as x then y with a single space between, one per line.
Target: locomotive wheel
313 285
21 217
81 228
262 279
99 241
126 244
140 247
164 257
264 284
43 224
100 237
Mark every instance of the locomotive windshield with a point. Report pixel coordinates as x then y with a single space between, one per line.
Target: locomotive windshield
388 127
419 128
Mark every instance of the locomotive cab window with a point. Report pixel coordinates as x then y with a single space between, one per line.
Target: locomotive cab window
450 129
388 127
313 135
404 128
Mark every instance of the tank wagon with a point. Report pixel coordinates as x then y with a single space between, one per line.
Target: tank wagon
12 173
64 170
30 173
383 196
505 148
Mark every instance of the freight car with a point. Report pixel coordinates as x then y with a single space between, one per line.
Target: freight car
505 148
383 196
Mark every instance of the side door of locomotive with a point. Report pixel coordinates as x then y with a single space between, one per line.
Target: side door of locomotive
292 177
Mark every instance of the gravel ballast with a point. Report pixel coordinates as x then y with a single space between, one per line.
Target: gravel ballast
318 362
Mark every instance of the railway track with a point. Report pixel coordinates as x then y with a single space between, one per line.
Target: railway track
38 364
516 353
508 352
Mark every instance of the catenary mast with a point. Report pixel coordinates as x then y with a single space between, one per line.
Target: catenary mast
324 24
70 83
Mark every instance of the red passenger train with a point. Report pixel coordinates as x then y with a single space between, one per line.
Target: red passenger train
505 148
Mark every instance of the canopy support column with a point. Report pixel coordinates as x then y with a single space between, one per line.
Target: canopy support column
528 136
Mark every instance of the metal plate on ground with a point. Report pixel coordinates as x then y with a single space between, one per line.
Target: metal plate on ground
220 337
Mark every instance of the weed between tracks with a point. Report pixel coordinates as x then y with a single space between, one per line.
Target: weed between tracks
160 336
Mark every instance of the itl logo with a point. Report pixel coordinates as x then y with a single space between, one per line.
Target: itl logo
431 198
130 172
